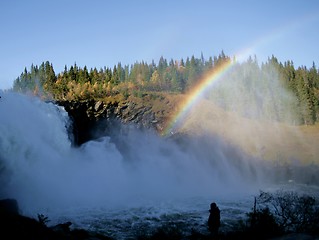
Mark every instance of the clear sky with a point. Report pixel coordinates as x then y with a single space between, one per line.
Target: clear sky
100 33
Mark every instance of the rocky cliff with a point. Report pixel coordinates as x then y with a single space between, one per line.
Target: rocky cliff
95 118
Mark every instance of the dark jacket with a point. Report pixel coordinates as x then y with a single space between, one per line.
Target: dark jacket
214 218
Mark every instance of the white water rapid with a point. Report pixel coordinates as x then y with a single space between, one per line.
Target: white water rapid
110 188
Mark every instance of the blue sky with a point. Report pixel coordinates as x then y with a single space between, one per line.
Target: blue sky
100 33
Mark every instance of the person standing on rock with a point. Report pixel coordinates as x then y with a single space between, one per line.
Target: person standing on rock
214 219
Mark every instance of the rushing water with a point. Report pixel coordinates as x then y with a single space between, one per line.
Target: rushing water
123 184
184 214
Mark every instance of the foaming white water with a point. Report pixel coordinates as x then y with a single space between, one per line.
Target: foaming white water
33 140
40 168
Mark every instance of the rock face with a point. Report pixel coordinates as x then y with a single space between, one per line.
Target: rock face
90 115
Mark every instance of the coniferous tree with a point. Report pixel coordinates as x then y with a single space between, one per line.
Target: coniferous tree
77 82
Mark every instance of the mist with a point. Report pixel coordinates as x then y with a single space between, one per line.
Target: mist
238 139
41 169
257 92
251 108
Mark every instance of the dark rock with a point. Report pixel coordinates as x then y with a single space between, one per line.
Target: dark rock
63 228
16 226
9 206
90 115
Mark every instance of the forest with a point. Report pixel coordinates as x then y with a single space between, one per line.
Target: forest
180 76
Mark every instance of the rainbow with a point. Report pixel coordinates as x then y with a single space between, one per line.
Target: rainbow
176 120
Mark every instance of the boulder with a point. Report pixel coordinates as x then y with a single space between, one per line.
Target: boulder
9 206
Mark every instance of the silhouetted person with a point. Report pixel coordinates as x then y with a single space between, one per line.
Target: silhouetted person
214 219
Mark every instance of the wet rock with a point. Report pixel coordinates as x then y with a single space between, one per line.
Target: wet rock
88 115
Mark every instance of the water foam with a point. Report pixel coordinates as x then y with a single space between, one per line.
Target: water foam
41 169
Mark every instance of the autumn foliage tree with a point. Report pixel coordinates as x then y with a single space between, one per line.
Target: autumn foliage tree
180 76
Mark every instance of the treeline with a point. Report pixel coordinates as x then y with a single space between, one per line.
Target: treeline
81 83
253 84
272 91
